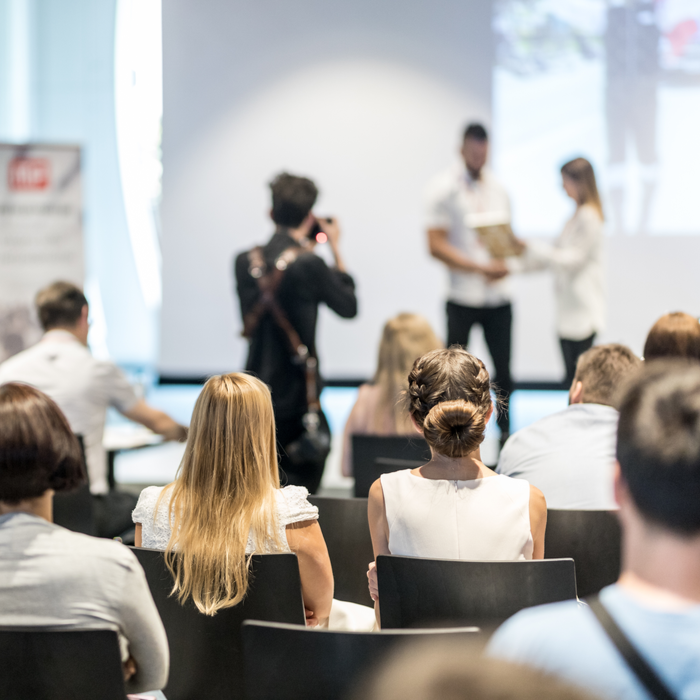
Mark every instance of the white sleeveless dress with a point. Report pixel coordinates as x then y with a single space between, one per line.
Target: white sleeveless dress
292 507
478 520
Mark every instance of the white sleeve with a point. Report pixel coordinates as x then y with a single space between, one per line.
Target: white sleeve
573 256
118 391
437 207
146 505
295 507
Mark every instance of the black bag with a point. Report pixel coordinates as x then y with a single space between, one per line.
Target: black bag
314 444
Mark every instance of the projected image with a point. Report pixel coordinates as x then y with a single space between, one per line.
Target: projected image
615 81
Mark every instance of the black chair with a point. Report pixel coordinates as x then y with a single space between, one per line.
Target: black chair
205 651
345 528
374 455
40 665
286 662
415 592
74 509
592 539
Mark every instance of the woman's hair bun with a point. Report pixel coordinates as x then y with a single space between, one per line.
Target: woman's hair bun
455 428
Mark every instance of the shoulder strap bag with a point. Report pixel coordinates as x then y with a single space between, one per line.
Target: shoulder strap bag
656 687
314 444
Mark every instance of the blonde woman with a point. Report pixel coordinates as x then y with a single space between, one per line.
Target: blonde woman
226 503
576 258
378 409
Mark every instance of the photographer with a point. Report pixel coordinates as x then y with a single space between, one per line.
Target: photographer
280 286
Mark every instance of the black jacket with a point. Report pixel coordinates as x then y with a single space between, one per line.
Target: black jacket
307 282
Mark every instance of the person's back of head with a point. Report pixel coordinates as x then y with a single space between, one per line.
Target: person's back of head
447 670
60 305
224 491
658 444
674 335
293 197
601 371
449 394
404 338
38 451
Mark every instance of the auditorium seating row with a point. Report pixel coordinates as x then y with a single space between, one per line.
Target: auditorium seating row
261 649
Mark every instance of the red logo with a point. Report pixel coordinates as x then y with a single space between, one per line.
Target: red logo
29 174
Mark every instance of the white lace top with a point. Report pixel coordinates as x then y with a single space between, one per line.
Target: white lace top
292 507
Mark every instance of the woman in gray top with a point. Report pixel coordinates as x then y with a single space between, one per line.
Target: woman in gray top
52 578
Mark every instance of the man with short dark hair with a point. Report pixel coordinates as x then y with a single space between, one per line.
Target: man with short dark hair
656 601
61 366
306 282
458 201
570 455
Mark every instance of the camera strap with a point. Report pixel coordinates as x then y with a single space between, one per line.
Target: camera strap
646 675
269 281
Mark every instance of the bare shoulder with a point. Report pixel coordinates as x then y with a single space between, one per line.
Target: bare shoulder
376 493
537 500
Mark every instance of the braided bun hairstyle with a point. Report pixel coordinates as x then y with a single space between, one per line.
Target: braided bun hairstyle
449 397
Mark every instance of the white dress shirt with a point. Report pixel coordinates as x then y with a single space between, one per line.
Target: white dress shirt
83 387
577 259
569 456
455 202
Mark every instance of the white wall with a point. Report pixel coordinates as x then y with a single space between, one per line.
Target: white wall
368 98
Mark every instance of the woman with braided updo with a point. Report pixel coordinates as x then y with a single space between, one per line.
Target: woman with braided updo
454 507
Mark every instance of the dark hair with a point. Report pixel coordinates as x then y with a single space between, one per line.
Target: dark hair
292 199
442 669
674 335
658 443
449 394
475 131
38 451
59 305
602 370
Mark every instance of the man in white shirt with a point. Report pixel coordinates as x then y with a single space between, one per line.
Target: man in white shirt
61 366
570 455
477 291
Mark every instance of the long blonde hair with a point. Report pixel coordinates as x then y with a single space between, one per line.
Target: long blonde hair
580 171
405 338
224 491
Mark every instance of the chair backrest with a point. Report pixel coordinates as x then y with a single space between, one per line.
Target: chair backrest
73 509
345 528
286 662
41 665
416 592
592 539
374 455
205 651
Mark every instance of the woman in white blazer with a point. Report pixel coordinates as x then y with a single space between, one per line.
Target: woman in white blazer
576 258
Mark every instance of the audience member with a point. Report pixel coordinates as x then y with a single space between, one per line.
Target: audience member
454 507
226 503
656 601
62 366
570 455
54 579
379 409
674 335
447 670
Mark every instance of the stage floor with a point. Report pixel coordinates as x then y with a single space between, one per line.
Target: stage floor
158 464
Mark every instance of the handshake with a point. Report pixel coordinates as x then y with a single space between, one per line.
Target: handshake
497 268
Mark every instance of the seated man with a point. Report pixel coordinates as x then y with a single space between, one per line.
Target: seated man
54 579
570 455
61 365
656 601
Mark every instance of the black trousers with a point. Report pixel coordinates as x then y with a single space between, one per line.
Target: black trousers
497 323
308 474
572 350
